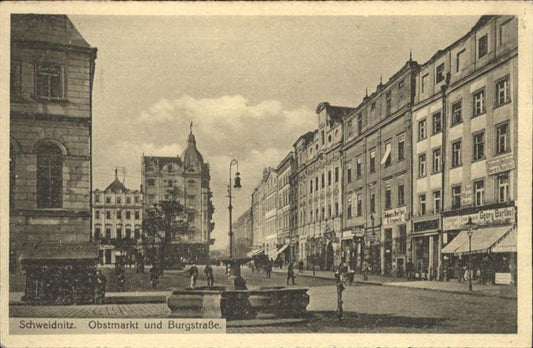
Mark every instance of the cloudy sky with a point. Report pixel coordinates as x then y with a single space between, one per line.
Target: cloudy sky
249 84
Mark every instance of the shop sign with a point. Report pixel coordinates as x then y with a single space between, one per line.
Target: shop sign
426 225
502 278
466 195
394 216
500 164
483 217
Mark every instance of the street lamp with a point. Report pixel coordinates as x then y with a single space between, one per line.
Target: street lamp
236 186
470 231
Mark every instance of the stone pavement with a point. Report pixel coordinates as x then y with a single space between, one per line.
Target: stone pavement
504 291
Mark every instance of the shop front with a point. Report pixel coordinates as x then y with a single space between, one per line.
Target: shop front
491 244
425 247
394 247
372 254
352 247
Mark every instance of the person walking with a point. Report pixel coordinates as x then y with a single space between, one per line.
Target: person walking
290 273
301 266
193 271
410 270
154 276
365 270
101 282
121 278
268 269
208 270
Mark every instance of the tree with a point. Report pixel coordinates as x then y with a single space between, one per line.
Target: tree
162 223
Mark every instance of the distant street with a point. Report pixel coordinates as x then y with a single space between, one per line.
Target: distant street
368 308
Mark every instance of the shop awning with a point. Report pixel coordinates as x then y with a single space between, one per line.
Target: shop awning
53 251
482 240
386 154
282 249
254 252
507 244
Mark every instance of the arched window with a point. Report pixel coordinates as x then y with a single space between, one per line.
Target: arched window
49 176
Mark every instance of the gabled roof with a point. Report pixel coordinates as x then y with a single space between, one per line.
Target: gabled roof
116 186
55 29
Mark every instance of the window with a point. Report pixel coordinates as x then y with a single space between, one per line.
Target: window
424 82
422 131
311 186
49 82
437 161
136 199
456 154
128 233
16 79
311 216
437 123
457 112
137 214
97 214
322 181
460 60
372 161
350 133
422 204
388 198
108 214
119 200
503 187
349 175
403 240
322 138
502 138
479 102
97 198
119 214
483 46
150 182
359 124
372 202
358 168
49 176
329 211
128 200
373 106
137 233
436 202
322 214
119 233
456 197
479 193
97 233
349 210
108 233
401 149
336 174
128 215
502 91
316 183
329 138
336 209
479 146
359 205
329 177
387 155
401 195
190 217
108 199
439 73
422 165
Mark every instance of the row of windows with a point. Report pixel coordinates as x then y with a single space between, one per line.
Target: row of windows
503 96
108 235
108 214
320 214
48 82
108 199
502 189
502 145
323 180
386 160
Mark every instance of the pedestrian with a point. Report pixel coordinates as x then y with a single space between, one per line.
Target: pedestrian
121 278
101 283
154 276
268 269
410 270
290 273
300 266
193 271
208 270
365 270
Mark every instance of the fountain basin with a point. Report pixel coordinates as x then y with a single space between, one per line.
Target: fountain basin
220 302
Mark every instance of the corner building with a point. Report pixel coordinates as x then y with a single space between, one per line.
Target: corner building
187 178
465 123
319 188
377 172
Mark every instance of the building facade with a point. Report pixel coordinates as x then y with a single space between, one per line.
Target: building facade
52 71
471 152
242 235
319 188
286 241
117 222
187 178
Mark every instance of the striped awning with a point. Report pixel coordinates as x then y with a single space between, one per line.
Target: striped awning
254 252
482 240
507 244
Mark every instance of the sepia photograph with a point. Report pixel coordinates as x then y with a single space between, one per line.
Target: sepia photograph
281 173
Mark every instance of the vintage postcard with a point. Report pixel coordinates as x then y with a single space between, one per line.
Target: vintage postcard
266 174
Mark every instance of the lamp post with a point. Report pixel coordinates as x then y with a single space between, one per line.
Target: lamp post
470 231
236 186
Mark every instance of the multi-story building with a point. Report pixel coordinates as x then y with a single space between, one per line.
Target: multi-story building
319 188
465 121
117 221
52 70
242 234
186 178
285 238
270 211
258 217
377 172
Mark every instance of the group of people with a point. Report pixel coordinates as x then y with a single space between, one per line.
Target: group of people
208 271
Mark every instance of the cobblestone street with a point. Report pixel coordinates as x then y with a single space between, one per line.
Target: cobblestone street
368 308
